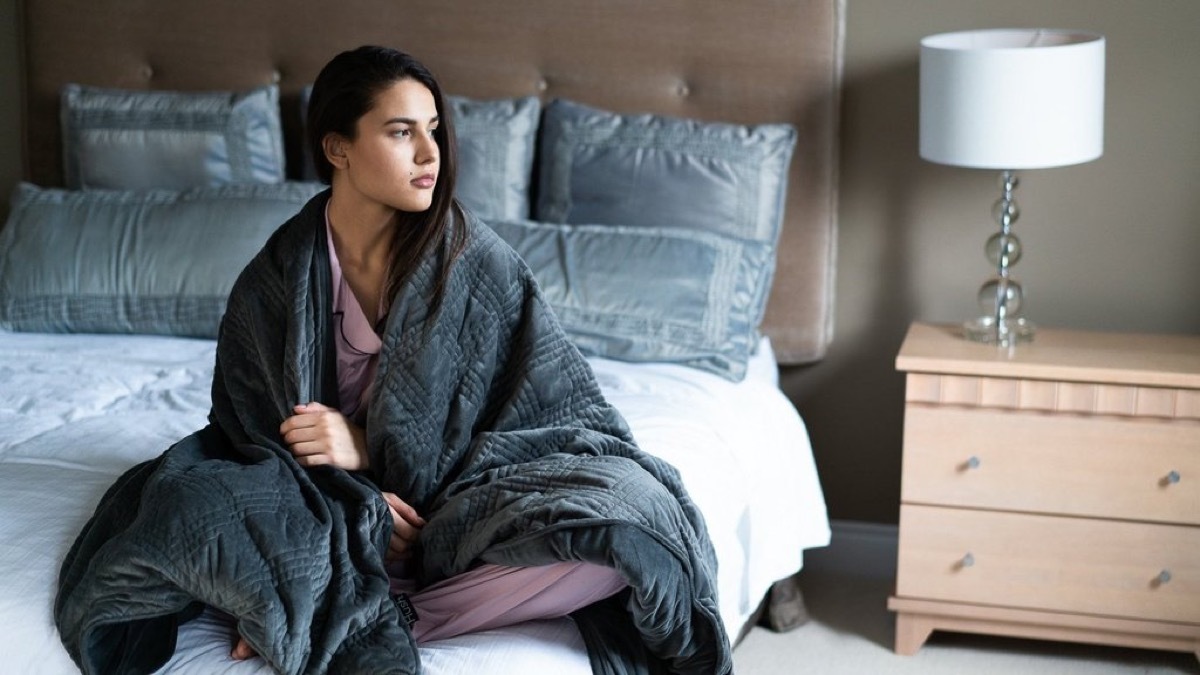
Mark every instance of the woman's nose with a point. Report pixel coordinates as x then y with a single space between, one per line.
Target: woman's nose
427 150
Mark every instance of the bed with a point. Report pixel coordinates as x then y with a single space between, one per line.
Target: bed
101 367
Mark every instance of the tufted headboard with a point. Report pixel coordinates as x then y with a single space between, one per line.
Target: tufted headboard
753 61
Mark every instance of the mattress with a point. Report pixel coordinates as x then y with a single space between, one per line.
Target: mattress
78 410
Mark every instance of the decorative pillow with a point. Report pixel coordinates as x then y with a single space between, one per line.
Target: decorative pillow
128 139
652 170
655 171
149 261
649 293
495 153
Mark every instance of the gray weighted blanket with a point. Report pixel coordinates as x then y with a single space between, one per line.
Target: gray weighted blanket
484 417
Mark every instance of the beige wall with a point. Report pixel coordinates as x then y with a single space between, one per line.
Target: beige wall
1113 244
1109 245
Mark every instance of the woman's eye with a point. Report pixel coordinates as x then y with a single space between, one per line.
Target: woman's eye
405 133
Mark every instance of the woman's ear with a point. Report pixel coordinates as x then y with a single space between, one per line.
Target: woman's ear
334 146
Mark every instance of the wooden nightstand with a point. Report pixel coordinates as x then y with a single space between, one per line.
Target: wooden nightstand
1051 491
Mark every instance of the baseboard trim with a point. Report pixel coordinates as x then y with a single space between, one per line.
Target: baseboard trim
857 548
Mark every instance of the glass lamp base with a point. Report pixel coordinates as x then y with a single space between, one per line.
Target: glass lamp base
1006 333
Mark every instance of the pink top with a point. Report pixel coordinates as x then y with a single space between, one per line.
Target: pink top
357 342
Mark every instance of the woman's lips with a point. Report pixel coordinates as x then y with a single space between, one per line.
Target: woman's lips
424 182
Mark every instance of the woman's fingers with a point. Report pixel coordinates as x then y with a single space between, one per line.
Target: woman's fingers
309 447
398 549
402 526
304 427
406 526
400 543
402 508
307 416
324 434
309 461
312 406
242 650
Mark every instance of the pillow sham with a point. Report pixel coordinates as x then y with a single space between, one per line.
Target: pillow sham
495 154
652 170
496 141
151 261
131 139
645 170
650 293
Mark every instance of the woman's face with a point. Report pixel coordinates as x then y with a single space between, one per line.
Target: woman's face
394 158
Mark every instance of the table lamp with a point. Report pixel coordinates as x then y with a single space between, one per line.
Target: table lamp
1006 100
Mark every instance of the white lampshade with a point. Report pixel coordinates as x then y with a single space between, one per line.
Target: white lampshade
1012 98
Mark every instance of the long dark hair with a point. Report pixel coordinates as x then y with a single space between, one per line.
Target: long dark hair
345 90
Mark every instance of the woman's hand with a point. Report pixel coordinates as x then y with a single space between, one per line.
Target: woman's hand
406 525
241 649
318 434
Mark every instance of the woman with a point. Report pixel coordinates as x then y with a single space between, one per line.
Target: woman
383 142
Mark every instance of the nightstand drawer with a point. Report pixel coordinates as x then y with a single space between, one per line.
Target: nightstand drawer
1107 466
1105 568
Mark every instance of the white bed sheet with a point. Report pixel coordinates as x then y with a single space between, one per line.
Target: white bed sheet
76 411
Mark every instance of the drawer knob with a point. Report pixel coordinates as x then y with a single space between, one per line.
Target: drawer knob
1162 578
972 462
968 560
1171 478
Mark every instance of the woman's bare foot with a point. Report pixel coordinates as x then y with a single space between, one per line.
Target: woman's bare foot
242 650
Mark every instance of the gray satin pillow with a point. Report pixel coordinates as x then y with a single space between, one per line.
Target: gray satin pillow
651 170
130 139
147 261
495 153
648 293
